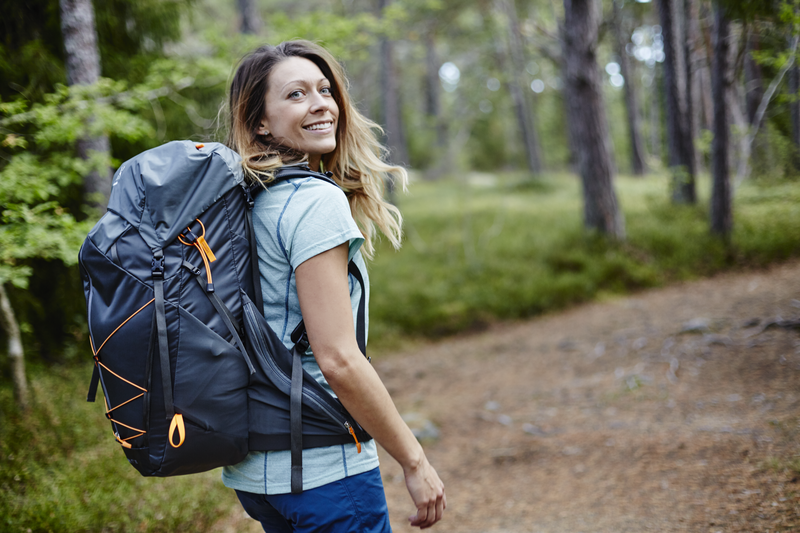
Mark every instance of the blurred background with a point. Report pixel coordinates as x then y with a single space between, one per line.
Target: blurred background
560 152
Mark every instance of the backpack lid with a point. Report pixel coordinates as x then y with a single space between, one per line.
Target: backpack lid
162 190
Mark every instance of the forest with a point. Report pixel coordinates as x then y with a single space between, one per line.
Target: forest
560 152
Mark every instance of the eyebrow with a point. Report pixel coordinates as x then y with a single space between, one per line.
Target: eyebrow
304 82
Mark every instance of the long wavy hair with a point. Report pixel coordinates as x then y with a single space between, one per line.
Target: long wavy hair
356 162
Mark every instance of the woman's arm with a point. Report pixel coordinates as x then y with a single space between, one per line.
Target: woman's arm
323 291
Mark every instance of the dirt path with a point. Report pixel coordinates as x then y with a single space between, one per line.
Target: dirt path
672 410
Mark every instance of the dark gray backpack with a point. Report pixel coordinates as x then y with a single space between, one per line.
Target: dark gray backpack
192 375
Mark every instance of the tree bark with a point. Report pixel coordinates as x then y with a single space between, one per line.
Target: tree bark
390 105
83 68
587 118
758 118
654 103
15 353
706 47
525 117
721 211
690 32
251 19
753 79
679 139
794 105
631 98
433 104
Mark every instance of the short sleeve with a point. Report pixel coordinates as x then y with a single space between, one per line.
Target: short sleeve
317 218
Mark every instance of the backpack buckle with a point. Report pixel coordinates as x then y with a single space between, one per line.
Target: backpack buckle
157 267
248 197
303 343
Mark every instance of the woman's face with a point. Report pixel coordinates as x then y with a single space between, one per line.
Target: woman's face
300 110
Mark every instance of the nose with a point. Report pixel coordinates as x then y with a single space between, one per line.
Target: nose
319 103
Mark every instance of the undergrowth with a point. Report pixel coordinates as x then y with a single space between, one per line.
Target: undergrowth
62 471
483 247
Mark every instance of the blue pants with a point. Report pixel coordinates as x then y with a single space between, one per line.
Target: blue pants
354 504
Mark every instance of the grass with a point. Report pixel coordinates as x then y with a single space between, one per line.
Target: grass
491 247
62 471
790 466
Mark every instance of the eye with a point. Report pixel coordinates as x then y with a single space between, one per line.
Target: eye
295 94
326 91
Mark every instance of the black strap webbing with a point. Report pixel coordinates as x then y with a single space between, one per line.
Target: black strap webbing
361 316
296 421
90 397
299 332
161 325
222 310
115 254
256 274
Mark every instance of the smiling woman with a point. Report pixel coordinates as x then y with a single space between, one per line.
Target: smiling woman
289 106
300 109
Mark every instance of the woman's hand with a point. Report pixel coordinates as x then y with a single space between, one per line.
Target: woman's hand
427 491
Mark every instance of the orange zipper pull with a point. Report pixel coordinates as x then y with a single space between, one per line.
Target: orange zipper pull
353 433
207 249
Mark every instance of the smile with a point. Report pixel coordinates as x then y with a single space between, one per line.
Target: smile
319 126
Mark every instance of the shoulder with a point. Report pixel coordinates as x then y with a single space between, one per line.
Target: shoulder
298 195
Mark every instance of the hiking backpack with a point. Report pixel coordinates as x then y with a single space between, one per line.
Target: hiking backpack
192 375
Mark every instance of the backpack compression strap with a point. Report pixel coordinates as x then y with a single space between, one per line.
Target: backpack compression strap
161 325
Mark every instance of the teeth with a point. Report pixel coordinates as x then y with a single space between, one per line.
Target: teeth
322 126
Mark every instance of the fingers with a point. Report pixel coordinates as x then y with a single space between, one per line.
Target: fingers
428 515
419 519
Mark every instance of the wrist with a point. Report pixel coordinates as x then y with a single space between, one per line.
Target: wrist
414 461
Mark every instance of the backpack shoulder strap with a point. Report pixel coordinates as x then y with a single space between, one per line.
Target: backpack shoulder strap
251 192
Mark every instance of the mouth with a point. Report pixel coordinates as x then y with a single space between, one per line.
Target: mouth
319 126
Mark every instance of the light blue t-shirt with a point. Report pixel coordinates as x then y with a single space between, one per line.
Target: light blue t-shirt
295 220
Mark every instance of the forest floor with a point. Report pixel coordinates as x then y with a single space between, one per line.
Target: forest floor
675 409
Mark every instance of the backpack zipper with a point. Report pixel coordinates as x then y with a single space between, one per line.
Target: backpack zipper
311 395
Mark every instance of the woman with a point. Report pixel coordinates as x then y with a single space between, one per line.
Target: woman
289 104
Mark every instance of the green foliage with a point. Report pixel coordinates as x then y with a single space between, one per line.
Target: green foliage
41 164
484 248
62 471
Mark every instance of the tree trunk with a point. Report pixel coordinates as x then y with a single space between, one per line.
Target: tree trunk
679 141
251 19
655 97
794 105
758 118
690 32
15 353
631 98
390 104
721 211
525 118
704 67
587 118
83 68
433 104
753 79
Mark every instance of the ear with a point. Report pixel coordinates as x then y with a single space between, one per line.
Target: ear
263 129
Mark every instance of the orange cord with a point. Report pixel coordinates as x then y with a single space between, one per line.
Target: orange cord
205 250
95 352
97 362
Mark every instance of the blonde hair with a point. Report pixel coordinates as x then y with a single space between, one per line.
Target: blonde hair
356 161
